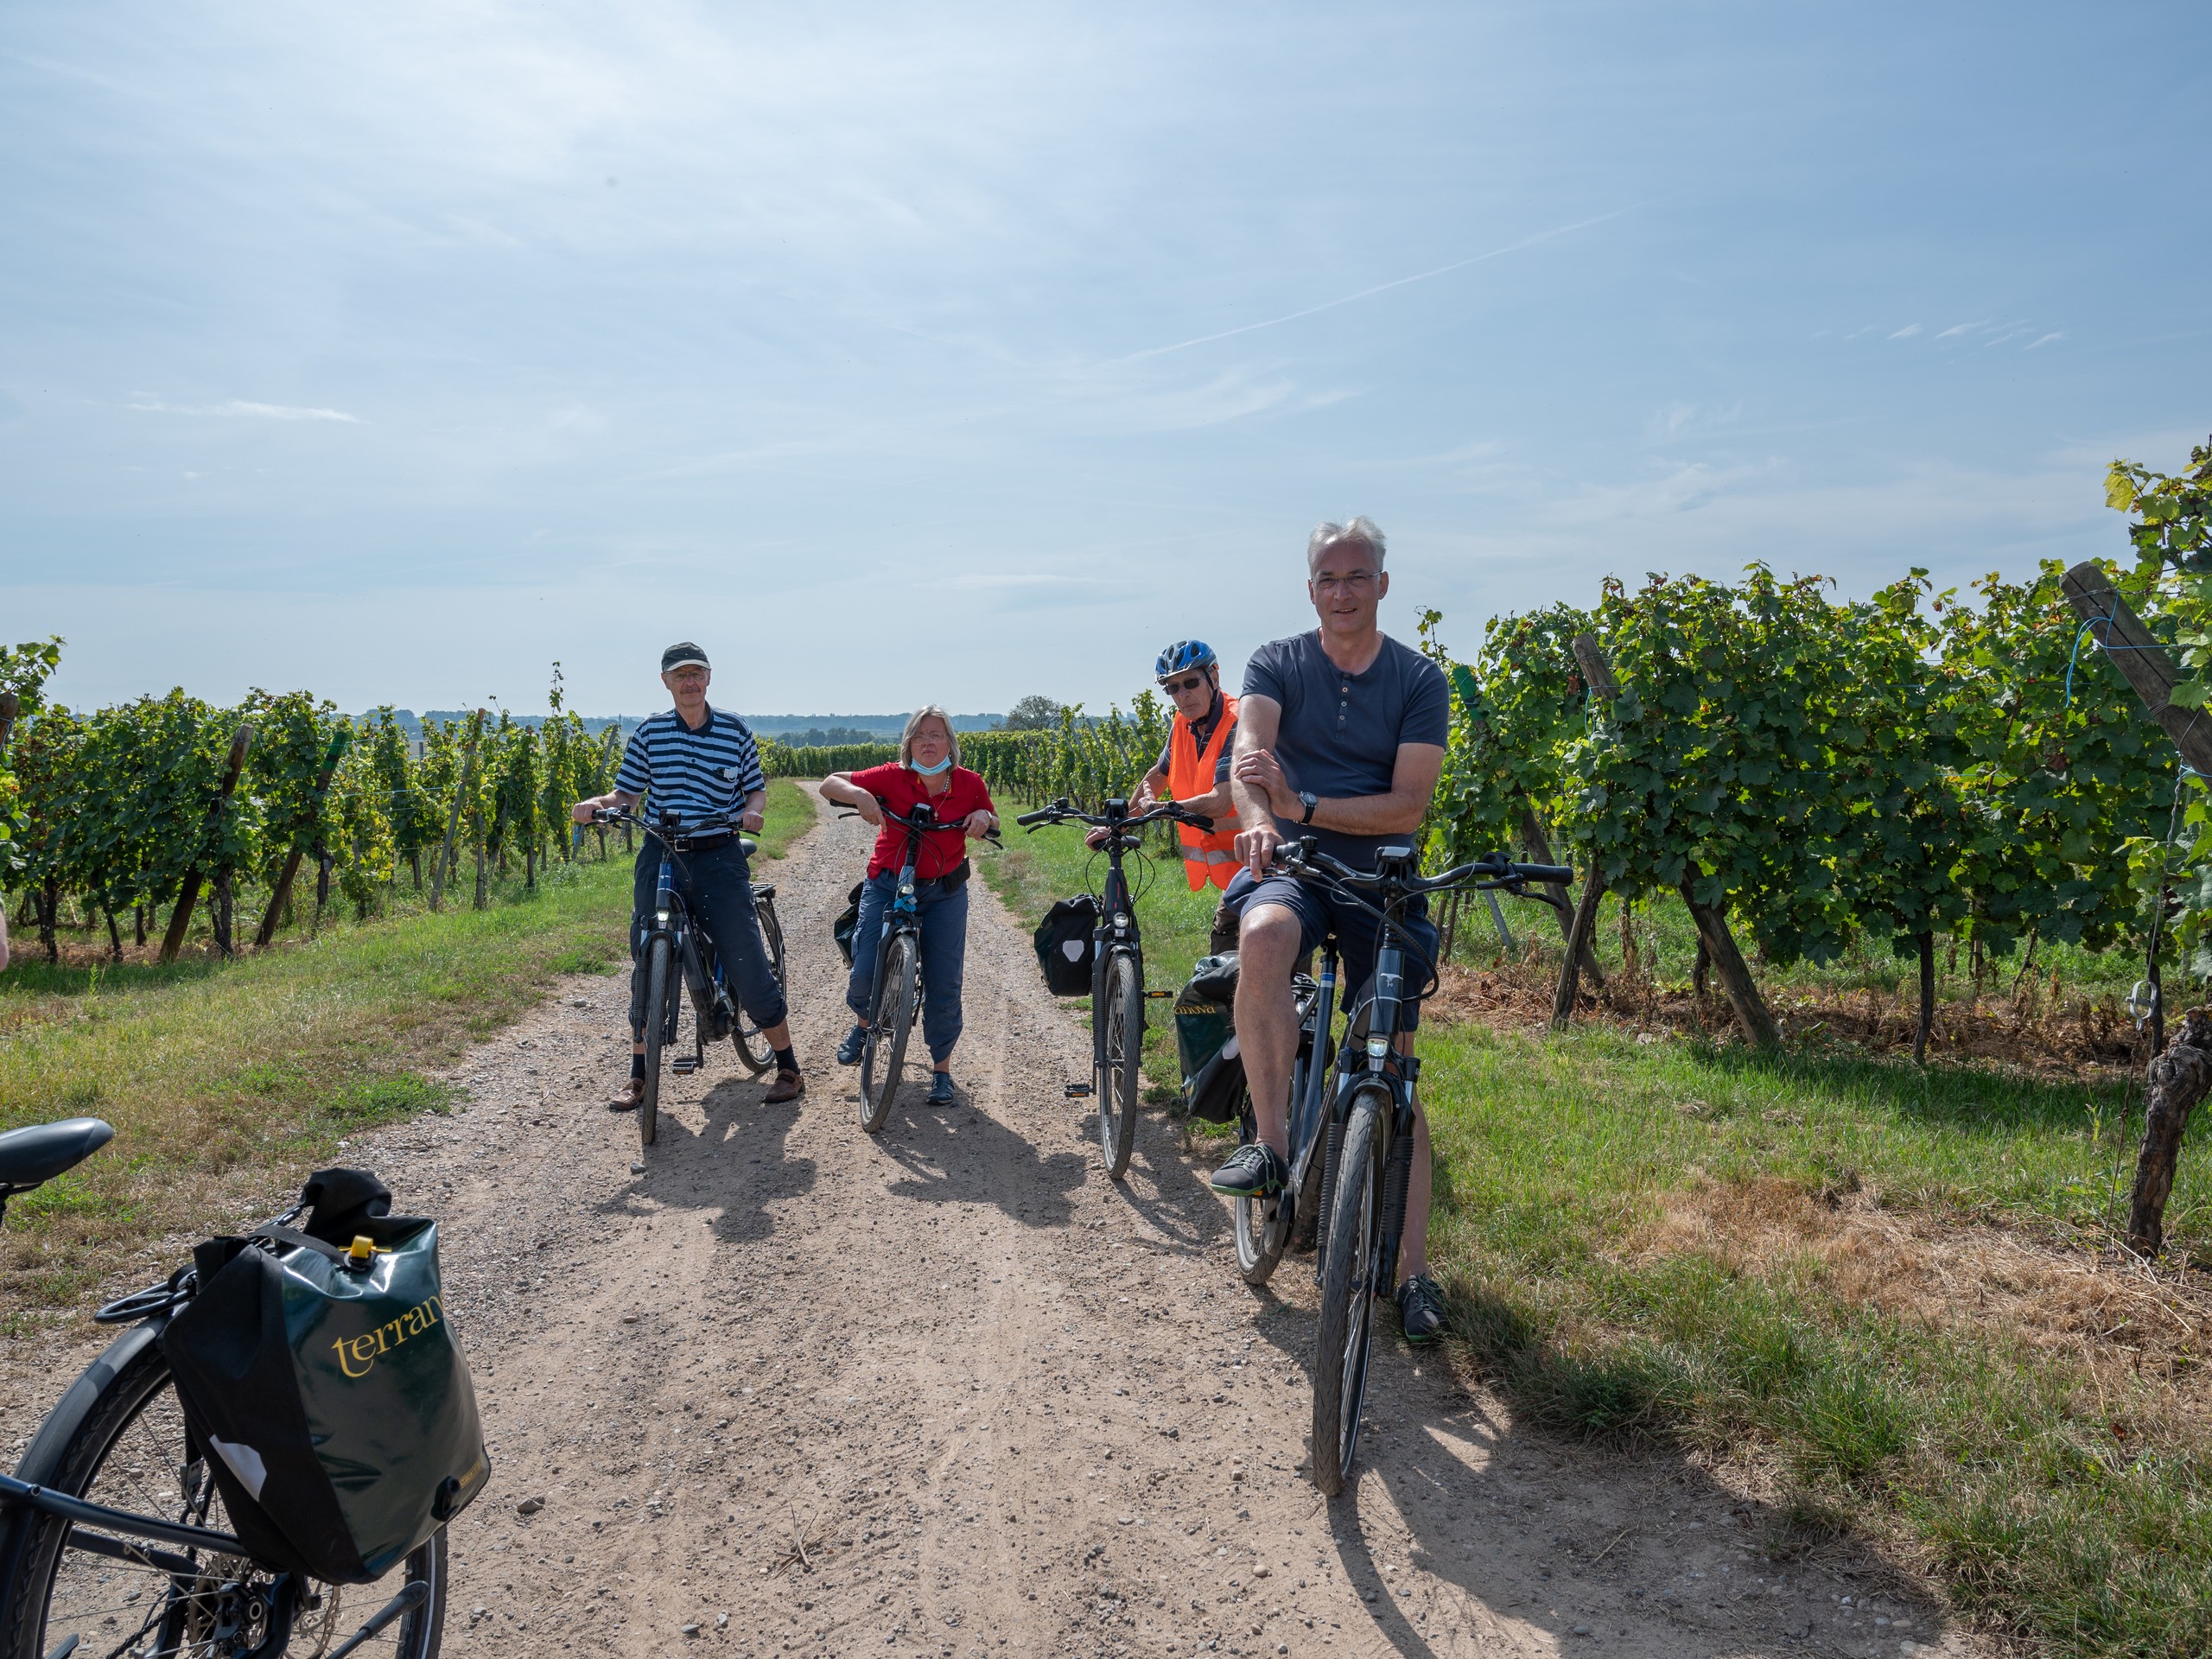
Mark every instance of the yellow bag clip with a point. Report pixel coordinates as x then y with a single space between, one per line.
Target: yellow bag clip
357 1253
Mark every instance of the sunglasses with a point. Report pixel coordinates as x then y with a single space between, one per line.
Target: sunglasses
1176 687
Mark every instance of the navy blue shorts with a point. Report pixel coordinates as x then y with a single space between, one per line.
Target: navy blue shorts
1319 910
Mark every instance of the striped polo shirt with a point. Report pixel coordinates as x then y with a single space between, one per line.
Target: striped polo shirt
697 775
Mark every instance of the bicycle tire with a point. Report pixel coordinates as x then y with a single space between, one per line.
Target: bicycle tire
1259 1235
1121 1080
890 1021
659 966
752 1048
1347 1323
136 1428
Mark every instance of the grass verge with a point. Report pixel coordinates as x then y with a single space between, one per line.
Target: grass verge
1881 1287
226 1083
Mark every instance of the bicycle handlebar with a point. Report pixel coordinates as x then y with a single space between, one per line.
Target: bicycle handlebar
1064 812
1489 873
668 824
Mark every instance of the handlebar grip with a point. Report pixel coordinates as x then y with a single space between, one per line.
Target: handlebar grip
1042 815
1197 820
1558 873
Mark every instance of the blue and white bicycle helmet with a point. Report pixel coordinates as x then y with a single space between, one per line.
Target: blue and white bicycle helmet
1184 653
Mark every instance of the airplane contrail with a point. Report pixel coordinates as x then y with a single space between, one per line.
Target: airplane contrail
1379 288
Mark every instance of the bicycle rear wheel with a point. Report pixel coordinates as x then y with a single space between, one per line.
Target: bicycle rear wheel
752 1047
1121 1076
1348 1292
131 1453
660 1016
888 1023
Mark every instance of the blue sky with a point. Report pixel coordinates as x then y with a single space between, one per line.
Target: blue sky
956 352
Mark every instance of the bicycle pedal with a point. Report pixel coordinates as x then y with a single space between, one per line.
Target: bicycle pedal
1159 997
1077 1091
684 1065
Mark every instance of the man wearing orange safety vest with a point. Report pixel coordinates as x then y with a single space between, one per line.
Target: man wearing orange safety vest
1194 771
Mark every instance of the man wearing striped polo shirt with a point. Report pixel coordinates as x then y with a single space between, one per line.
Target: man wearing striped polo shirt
702 765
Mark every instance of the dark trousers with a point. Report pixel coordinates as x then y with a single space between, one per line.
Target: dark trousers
717 889
944 917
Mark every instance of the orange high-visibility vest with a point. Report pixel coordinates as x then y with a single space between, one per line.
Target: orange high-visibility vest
1207 856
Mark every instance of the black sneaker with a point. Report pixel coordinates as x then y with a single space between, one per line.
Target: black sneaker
940 1089
848 1051
1421 1309
1254 1171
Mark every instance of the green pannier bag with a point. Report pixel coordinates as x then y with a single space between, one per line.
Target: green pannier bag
320 1368
1205 1040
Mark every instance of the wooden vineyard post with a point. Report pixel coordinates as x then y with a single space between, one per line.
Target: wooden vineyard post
1921 1032
181 919
269 917
1598 674
2141 660
1751 1012
2177 1080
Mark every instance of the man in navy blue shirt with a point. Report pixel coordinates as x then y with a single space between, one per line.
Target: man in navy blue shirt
1340 735
702 764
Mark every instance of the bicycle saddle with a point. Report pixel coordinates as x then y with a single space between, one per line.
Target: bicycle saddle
746 845
43 1151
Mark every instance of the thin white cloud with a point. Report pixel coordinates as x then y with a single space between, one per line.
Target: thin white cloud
241 407
2045 340
1957 328
1379 288
1907 332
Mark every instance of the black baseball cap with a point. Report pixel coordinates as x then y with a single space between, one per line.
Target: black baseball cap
682 655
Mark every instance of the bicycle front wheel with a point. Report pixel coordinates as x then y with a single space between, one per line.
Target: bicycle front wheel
1121 1056
888 1023
752 1047
1348 1292
660 1019
65 1594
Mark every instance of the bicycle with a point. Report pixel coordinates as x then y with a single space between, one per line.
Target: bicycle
678 942
82 1572
1366 1133
1117 992
895 994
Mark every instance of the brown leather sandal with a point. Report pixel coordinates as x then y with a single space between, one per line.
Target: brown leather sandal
629 1097
789 1085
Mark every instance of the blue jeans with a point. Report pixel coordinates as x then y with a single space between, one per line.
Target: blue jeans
944 918
717 888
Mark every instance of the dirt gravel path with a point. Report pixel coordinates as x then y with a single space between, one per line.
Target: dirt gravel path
946 1390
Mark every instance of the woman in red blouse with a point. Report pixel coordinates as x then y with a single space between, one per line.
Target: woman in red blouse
928 769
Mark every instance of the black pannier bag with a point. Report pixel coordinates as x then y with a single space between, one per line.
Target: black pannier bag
1205 1040
848 922
1065 949
320 1370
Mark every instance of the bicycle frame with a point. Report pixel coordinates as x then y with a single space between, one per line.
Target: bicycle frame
690 943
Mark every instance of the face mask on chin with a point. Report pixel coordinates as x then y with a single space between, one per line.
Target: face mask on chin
929 772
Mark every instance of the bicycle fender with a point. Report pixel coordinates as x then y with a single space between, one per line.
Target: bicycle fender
43 1456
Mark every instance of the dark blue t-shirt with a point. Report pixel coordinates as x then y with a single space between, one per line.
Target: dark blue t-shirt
1340 732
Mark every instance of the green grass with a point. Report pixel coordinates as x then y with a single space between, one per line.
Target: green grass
226 1083
2070 1504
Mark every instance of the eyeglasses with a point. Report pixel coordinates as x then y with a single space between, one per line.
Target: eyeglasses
1176 687
1357 582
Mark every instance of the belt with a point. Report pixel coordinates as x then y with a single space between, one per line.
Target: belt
702 843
